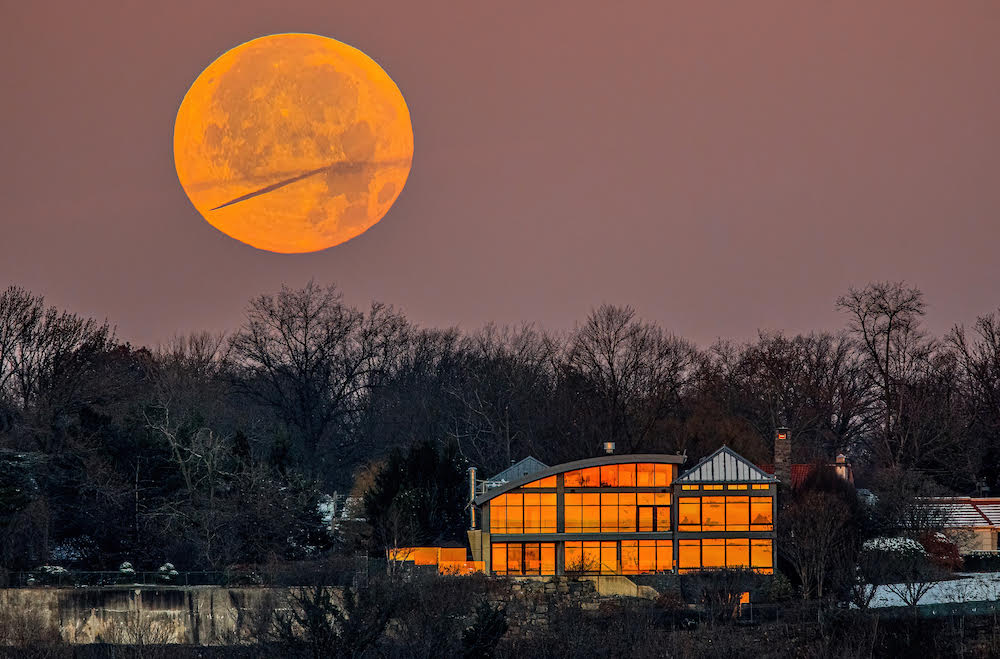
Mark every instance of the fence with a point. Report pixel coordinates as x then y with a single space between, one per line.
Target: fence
90 579
347 571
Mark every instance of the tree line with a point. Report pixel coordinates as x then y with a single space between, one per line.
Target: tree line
214 450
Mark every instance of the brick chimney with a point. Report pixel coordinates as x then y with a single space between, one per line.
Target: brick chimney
783 455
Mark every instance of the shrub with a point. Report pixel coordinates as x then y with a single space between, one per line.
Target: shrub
941 550
50 575
982 561
166 573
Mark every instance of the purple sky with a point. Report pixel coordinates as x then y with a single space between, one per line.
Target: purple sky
721 166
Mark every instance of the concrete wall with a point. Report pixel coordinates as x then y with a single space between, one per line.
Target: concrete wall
205 615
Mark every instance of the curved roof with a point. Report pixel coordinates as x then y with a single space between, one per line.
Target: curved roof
661 458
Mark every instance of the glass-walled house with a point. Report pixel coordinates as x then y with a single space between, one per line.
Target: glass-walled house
630 514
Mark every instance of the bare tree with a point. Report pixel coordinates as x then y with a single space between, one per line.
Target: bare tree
885 320
812 384
978 358
506 379
911 574
310 358
811 534
630 374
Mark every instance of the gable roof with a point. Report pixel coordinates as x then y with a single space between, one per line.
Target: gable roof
529 465
725 466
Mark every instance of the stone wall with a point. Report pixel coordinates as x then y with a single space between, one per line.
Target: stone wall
205 615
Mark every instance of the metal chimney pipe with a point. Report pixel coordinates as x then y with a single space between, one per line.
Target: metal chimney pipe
472 497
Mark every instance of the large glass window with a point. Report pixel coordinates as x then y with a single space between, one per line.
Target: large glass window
623 557
688 554
713 553
689 514
761 554
523 558
523 512
713 513
725 513
761 518
549 481
718 553
737 513
616 512
622 475
644 556
737 552
592 557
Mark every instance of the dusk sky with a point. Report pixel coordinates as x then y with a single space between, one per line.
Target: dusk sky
721 166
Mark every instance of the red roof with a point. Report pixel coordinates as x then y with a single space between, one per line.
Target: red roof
800 472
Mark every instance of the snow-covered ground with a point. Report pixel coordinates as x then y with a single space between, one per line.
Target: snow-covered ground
970 587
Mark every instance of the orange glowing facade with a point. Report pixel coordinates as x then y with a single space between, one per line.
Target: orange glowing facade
630 514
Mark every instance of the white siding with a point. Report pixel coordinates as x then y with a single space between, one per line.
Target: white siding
725 466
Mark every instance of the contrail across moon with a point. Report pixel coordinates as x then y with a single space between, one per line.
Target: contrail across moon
334 168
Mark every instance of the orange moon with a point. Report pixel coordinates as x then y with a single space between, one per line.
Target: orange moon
293 143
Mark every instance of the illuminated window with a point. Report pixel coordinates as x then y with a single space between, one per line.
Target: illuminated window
646 518
626 512
591 513
663 475
664 555
523 512
662 500
549 481
761 555
689 514
739 486
630 557
590 477
573 512
583 557
636 556
689 487
712 487
609 558
515 513
548 509
689 554
548 558
626 475
609 512
523 558
532 558
609 476
515 558
498 517
645 475
737 552
758 486
713 513
737 513
713 553
499 558
761 514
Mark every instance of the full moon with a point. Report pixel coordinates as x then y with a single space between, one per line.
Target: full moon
293 143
